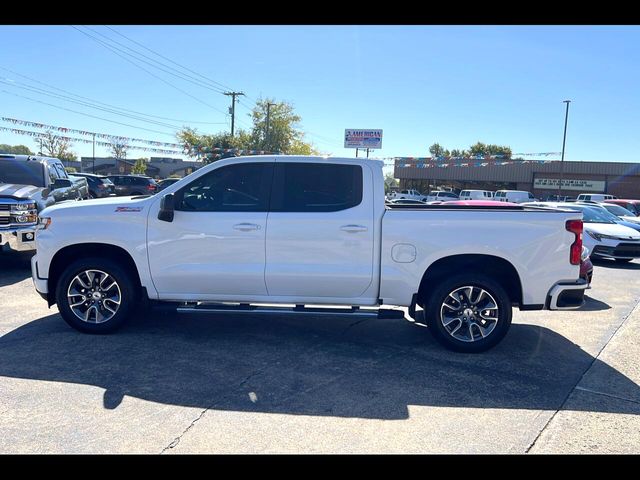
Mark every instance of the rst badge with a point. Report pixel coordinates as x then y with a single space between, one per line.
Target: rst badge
128 209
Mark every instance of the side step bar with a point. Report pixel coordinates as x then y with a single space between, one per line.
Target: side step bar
380 313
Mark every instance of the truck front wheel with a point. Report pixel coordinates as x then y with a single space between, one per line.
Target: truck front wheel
95 295
468 313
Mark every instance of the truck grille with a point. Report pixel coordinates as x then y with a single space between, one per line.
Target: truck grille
4 220
4 207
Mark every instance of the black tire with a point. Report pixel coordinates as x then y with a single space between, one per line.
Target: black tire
127 297
91 195
434 307
623 260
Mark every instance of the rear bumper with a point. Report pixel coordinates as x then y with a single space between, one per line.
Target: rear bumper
18 239
567 295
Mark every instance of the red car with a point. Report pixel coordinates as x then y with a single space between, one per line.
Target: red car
631 205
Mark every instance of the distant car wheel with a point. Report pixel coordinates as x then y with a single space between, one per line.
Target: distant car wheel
95 295
623 260
468 313
91 195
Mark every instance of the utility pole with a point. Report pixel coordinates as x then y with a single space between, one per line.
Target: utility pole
564 139
94 153
267 133
232 110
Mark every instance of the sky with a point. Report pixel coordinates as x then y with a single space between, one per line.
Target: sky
454 85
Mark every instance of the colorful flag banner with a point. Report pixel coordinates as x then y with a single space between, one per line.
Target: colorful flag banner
45 126
84 140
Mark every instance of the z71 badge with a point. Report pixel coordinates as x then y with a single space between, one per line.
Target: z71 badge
128 209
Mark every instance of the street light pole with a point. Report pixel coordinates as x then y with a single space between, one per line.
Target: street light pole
564 140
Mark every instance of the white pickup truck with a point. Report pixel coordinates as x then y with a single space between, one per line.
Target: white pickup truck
292 230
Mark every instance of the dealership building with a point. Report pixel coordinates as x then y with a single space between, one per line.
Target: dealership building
541 178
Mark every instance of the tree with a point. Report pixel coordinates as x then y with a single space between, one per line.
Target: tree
456 153
119 148
203 146
15 149
71 169
283 134
389 182
56 146
140 168
436 150
490 149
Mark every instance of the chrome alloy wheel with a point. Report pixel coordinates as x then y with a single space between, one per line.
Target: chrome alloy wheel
469 314
94 296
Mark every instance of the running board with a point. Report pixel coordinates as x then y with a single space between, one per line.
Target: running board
380 313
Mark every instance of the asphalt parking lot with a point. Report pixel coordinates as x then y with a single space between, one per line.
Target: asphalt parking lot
560 382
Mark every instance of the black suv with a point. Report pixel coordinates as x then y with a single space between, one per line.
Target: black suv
99 185
127 185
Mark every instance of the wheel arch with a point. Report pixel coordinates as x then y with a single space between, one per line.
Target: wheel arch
499 269
71 253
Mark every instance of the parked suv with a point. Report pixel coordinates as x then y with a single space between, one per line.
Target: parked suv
126 185
28 184
99 185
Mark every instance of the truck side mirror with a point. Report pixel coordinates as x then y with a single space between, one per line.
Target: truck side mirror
166 208
61 183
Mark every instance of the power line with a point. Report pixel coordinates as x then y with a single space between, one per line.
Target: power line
88 115
168 59
105 45
107 104
79 102
168 69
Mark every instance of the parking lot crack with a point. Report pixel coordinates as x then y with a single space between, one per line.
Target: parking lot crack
174 443
576 385
605 394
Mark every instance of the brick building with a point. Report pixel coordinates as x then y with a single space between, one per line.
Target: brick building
616 178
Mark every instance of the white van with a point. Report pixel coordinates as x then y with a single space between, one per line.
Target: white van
514 196
476 195
595 197
439 195
410 194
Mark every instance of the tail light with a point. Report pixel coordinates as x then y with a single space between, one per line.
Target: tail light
151 187
575 251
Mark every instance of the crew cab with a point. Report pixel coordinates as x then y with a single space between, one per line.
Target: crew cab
28 184
295 230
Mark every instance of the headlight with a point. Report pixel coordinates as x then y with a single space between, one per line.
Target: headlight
601 236
23 208
23 213
43 223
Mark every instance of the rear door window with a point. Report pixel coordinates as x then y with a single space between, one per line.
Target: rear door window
315 187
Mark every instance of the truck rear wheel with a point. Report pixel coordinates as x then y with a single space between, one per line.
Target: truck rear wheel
468 313
95 295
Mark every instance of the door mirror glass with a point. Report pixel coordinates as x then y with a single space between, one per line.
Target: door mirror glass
166 208
61 183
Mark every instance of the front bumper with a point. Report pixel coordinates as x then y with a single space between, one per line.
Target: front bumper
567 295
19 239
40 284
623 250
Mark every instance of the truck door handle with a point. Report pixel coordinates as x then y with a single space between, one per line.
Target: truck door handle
353 228
246 227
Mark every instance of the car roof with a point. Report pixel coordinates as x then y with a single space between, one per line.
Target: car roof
626 200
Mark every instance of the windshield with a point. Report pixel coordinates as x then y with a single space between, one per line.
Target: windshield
618 210
22 173
593 214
